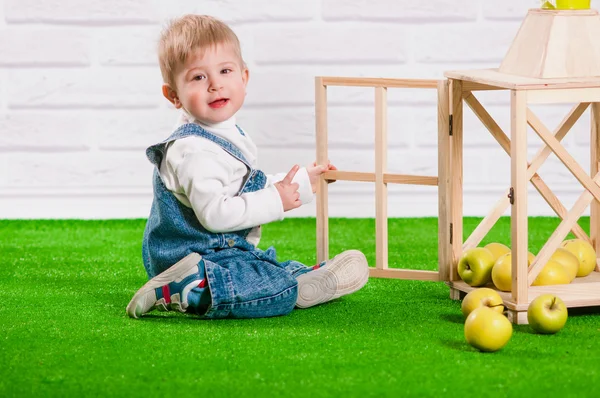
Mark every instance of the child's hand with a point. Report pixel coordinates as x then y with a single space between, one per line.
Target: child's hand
288 190
315 171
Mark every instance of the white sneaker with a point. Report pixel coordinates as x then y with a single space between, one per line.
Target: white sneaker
344 274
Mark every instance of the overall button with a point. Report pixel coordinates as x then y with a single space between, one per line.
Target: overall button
231 242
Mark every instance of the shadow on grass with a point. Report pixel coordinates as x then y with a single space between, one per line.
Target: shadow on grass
454 318
458 345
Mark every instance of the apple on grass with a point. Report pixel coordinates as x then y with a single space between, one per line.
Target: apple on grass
475 266
584 252
487 330
547 314
482 297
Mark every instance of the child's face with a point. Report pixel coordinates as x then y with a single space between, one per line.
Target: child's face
211 85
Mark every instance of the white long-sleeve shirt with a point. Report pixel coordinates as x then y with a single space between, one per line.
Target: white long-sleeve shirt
204 177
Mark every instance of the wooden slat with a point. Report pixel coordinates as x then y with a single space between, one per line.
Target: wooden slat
444 248
493 77
535 179
594 159
472 86
582 292
563 95
557 206
518 155
489 221
379 82
560 233
404 274
322 158
456 179
563 155
381 214
392 178
409 179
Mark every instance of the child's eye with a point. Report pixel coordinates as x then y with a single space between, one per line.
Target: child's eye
225 71
198 77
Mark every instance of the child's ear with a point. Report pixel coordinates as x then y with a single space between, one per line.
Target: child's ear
171 95
245 76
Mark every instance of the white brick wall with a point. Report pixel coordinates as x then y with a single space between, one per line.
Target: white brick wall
80 98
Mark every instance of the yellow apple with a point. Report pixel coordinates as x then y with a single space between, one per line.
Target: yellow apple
497 249
547 314
484 296
475 266
487 330
553 273
502 271
567 260
584 252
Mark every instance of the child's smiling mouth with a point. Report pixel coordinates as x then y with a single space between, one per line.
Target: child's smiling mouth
219 103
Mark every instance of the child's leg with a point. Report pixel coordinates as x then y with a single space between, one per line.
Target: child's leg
245 285
344 274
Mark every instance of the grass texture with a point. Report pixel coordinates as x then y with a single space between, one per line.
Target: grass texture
64 331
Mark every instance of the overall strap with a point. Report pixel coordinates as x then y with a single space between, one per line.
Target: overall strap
156 153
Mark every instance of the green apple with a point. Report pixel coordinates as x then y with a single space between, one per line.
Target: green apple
567 260
553 273
584 252
487 330
547 314
502 271
484 296
475 266
497 249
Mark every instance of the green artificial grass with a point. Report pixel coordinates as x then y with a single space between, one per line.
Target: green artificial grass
64 331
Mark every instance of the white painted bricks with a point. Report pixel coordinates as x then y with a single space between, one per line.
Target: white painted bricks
80 98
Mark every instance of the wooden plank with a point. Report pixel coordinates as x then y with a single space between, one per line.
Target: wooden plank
560 233
456 170
404 274
565 95
594 159
493 77
563 155
444 248
322 158
379 82
381 213
472 86
557 206
487 223
409 179
338 175
582 292
518 155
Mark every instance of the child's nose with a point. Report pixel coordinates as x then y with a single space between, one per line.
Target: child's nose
215 85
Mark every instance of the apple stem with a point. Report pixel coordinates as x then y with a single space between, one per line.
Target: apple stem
552 303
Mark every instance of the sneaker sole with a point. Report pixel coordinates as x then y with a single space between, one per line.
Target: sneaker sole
345 274
140 299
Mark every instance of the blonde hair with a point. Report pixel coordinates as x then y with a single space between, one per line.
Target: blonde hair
191 33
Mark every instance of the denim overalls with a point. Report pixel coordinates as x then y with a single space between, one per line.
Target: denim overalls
245 282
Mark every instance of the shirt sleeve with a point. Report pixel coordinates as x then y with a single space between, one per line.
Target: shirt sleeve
303 180
205 177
